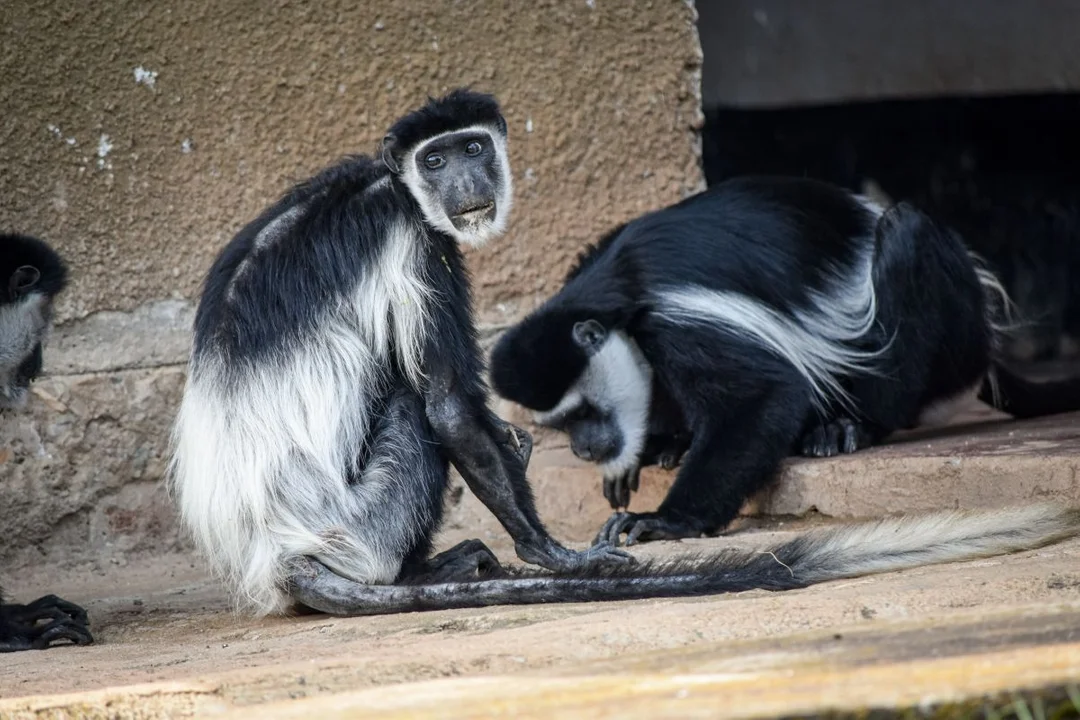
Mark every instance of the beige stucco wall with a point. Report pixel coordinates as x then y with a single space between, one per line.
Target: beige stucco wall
139 183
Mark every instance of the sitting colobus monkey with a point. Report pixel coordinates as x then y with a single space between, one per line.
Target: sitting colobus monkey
761 317
33 274
335 374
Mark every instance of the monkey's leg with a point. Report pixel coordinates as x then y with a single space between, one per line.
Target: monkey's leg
492 456
732 456
467 561
399 499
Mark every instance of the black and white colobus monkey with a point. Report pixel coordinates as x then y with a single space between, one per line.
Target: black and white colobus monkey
761 317
33 274
335 373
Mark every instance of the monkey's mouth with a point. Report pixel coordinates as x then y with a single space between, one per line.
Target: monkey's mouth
475 214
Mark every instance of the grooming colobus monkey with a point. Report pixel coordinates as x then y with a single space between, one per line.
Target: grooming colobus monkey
33 274
761 317
335 374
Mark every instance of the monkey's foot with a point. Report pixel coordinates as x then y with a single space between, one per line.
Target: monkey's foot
21 628
559 559
842 435
520 442
665 451
669 459
617 488
644 527
468 561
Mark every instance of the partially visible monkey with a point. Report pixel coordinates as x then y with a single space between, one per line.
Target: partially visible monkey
335 375
33 274
761 317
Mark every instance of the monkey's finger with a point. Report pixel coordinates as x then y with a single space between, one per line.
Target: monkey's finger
636 531
814 442
851 436
617 525
604 536
609 494
635 480
622 490
606 553
833 434
62 630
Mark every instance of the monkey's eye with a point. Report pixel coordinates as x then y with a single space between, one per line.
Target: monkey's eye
434 160
473 148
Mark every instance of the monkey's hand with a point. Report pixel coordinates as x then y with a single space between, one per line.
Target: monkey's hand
842 435
617 488
23 629
644 527
558 559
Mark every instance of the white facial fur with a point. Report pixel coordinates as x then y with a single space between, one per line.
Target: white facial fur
22 325
618 380
433 211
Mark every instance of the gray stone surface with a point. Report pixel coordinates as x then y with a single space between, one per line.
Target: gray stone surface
80 470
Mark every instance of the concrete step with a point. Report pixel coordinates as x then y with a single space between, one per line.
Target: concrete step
987 462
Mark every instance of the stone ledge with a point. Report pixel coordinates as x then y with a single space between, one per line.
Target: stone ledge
965 467
155 334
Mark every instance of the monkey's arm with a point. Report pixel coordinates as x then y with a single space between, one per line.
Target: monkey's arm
492 456
741 432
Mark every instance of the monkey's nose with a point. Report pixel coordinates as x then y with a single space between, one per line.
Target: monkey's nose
582 451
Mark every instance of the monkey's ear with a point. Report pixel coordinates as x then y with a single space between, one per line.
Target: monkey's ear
23 279
388 145
589 335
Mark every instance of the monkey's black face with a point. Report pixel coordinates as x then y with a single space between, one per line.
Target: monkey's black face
594 434
462 183
459 169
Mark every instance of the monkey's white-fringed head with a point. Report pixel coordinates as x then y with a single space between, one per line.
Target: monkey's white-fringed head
606 411
451 155
462 182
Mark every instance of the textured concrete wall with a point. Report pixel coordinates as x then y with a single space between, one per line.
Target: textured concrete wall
139 137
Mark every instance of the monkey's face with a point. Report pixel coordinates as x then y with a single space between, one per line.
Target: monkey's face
462 183
606 411
24 322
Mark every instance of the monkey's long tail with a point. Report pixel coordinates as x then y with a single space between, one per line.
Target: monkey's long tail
818 556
